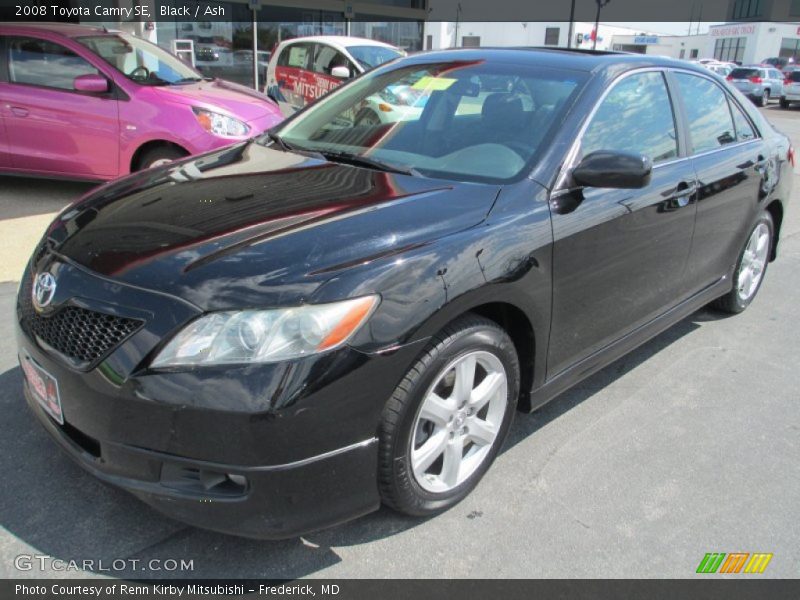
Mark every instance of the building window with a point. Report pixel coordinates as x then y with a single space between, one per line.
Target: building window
693 53
730 49
746 9
794 8
790 48
682 54
551 36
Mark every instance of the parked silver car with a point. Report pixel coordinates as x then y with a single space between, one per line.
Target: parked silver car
791 89
760 83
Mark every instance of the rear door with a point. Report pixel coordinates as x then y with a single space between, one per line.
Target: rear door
51 127
619 257
730 159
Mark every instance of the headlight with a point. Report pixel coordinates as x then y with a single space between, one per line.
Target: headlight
263 336
220 124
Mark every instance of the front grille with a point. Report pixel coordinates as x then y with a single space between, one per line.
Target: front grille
84 336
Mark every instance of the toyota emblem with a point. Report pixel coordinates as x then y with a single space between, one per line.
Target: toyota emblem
44 288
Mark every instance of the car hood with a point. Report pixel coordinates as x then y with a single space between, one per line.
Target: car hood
239 101
250 225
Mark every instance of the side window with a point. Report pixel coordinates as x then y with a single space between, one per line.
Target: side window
295 56
635 116
744 130
710 123
326 58
43 63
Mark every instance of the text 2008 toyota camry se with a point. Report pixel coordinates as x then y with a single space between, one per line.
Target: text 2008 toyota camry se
280 335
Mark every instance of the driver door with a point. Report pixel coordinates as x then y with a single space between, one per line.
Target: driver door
619 257
51 128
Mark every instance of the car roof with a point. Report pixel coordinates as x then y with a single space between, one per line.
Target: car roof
65 29
343 41
562 58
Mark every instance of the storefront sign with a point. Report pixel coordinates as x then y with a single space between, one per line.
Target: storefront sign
732 31
642 40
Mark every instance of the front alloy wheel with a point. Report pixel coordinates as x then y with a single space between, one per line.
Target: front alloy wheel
448 418
458 421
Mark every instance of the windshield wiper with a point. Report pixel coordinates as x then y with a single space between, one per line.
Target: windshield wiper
287 147
188 80
369 162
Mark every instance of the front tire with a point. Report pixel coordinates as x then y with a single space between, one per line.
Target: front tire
160 155
446 421
763 100
750 267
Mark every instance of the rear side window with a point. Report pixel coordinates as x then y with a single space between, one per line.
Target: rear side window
635 116
296 55
710 123
744 73
744 130
39 62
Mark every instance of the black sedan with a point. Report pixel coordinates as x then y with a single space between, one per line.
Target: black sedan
281 335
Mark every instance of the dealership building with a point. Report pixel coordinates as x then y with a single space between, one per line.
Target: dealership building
222 43
747 43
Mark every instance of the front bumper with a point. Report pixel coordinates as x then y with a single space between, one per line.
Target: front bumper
274 502
266 451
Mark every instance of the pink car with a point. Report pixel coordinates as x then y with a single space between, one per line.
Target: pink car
86 103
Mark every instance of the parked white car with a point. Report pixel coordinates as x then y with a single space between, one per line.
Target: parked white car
303 69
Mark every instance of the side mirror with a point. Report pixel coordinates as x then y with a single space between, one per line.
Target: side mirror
340 72
95 84
609 169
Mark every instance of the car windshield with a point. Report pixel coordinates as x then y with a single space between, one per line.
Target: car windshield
373 56
464 120
744 73
139 60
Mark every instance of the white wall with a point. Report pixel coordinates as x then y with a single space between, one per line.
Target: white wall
517 33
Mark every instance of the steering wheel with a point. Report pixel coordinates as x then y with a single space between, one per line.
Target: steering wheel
144 70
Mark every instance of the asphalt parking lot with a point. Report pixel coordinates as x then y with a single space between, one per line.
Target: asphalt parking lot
686 446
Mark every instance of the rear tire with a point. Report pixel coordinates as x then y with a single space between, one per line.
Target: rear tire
440 431
751 266
763 100
784 103
160 155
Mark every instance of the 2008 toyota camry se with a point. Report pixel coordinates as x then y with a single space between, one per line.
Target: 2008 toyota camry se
280 335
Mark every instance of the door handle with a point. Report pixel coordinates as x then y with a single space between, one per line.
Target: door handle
683 193
19 111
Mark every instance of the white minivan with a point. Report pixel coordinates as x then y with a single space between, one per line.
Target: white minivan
303 69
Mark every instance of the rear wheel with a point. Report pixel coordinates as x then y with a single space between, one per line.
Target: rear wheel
750 268
784 102
446 421
763 100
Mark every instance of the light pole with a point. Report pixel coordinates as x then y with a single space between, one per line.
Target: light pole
600 4
571 21
458 14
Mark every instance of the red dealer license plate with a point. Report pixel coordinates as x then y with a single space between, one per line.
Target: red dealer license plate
44 387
